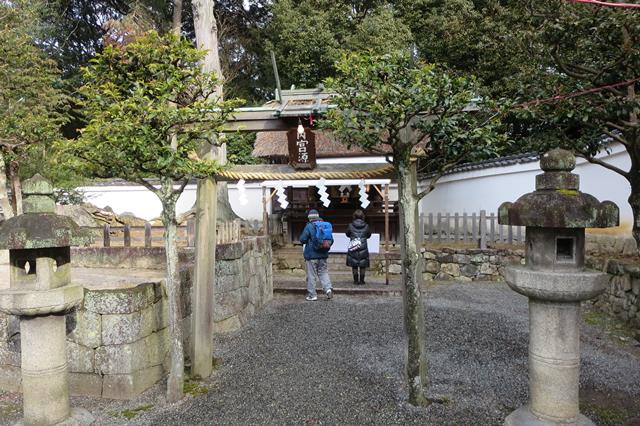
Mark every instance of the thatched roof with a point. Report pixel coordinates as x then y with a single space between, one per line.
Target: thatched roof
274 145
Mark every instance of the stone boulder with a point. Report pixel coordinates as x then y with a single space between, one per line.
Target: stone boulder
79 214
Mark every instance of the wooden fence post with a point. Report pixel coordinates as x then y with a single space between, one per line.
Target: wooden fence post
106 233
492 237
510 234
439 227
127 236
456 227
465 228
447 230
421 229
430 230
147 235
483 229
474 228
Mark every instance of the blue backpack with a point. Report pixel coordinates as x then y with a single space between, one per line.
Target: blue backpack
323 237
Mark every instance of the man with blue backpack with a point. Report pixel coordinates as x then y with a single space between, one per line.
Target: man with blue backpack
317 238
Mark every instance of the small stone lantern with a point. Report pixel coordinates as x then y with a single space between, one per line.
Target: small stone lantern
40 293
555 281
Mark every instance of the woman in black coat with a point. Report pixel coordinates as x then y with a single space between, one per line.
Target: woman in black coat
358 252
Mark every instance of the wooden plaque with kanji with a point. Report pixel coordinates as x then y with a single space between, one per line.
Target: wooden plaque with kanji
302 149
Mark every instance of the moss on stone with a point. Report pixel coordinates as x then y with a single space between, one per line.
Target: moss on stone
194 388
9 409
131 413
569 192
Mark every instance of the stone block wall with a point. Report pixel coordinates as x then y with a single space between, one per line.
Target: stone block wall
124 257
117 342
244 282
462 264
622 298
610 244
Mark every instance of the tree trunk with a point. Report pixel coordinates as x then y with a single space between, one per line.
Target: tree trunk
206 30
176 25
175 382
634 202
5 203
415 356
633 137
16 187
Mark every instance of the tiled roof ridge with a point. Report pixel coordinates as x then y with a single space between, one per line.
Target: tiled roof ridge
507 160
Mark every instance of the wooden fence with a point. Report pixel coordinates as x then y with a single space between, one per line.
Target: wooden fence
148 235
479 229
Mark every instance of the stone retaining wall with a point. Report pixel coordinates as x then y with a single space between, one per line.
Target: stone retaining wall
610 244
123 257
622 298
117 342
462 264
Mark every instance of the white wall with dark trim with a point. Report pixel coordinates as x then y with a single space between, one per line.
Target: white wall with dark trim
487 188
136 199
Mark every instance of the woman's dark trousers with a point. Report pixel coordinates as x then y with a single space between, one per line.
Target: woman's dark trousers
358 275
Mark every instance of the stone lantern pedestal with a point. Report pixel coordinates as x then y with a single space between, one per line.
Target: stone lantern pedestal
40 293
555 281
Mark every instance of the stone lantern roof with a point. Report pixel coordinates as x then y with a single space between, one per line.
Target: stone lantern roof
557 202
39 226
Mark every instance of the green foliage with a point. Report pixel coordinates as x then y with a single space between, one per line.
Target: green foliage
31 104
309 36
537 50
587 47
74 30
417 109
240 148
137 97
491 39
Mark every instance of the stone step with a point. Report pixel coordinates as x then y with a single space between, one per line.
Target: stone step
333 260
333 269
352 291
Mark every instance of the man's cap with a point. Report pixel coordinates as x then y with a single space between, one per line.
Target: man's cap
313 214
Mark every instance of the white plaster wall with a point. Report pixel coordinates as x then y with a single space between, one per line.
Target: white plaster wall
144 204
488 188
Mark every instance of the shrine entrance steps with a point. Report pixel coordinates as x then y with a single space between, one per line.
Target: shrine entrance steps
289 275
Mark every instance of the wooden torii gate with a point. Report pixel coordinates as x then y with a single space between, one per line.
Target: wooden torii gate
290 107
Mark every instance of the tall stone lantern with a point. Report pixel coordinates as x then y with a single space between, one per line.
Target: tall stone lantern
40 293
555 281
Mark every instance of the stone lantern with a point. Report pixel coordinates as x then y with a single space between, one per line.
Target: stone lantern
40 293
555 281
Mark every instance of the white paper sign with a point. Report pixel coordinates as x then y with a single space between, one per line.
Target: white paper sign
341 242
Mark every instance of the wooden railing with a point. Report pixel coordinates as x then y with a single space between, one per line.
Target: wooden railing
149 235
475 228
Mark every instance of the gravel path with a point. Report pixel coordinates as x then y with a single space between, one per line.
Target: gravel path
341 362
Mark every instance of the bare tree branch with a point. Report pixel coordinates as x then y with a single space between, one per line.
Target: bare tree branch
147 185
604 164
617 138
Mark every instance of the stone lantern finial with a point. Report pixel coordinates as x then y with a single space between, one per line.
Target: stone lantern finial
557 160
37 195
